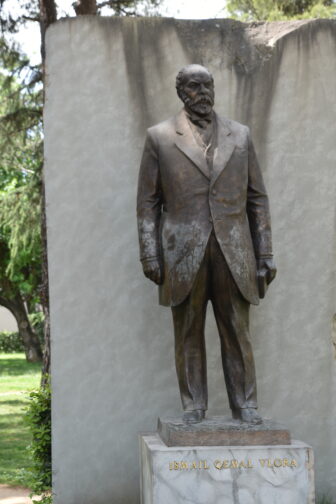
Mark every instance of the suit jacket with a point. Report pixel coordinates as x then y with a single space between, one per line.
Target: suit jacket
180 202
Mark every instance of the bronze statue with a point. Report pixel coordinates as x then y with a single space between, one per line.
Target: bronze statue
205 234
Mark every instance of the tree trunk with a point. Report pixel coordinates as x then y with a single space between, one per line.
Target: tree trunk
46 350
48 16
45 295
30 339
83 7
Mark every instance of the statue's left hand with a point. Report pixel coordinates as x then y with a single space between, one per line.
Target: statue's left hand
266 267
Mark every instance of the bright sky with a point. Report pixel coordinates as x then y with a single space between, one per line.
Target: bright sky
193 9
29 39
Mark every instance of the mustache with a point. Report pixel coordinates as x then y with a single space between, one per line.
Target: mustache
203 100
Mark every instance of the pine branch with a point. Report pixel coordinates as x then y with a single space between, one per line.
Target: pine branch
29 18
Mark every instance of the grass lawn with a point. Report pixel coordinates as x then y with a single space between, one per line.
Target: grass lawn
17 378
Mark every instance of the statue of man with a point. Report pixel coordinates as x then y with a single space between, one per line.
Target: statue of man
204 232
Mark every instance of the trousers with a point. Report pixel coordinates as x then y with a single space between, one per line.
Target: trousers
214 282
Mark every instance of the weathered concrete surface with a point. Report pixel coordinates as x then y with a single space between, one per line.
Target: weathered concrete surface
112 345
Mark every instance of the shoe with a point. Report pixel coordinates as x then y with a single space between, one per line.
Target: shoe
193 416
247 415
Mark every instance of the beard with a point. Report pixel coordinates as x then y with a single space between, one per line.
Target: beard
201 105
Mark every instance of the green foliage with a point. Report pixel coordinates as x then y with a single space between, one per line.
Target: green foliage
20 177
11 342
20 169
280 10
21 104
46 499
20 216
38 418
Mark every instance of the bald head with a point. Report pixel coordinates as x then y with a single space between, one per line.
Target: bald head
195 87
189 71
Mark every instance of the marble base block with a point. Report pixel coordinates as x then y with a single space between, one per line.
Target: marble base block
281 474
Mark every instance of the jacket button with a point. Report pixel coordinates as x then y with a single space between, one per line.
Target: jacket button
214 192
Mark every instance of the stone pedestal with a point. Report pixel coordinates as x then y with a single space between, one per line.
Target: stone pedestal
281 474
221 431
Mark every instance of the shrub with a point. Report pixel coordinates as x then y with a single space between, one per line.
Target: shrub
36 320
11 342
38 418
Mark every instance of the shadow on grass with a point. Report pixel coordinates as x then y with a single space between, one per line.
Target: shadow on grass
11 418
17 366
14 402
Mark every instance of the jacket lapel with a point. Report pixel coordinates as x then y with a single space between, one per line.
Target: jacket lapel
187 144
224 150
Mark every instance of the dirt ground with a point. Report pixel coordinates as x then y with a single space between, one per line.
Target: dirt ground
14 495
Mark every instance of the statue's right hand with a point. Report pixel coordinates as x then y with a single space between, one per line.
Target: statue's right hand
153 270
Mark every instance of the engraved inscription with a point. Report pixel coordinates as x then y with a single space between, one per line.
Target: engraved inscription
186 466
266 463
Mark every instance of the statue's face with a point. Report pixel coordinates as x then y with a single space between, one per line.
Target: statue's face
197 92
